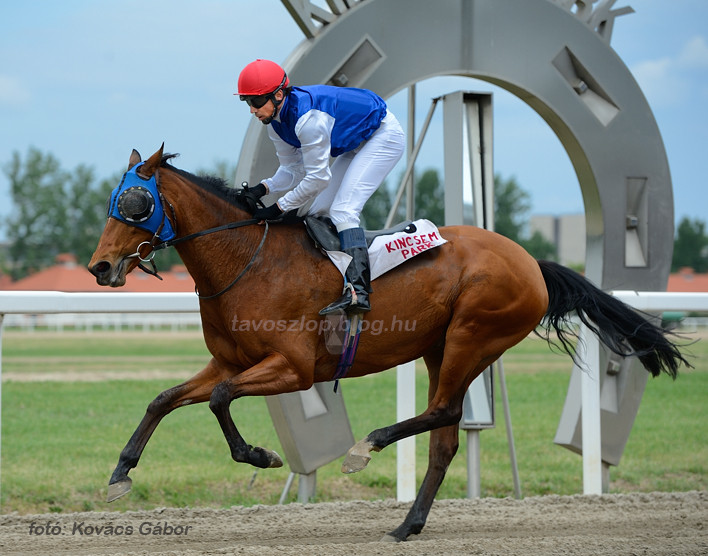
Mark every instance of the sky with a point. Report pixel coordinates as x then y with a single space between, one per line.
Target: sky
88 81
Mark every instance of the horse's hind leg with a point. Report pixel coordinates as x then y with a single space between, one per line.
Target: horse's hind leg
444 409
466 353
449 380
195 390
443 447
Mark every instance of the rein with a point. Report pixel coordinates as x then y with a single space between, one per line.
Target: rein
246 268
229 226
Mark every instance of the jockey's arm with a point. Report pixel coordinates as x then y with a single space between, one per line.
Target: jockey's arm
313 130
291 170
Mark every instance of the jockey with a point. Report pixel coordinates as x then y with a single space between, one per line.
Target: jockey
307 126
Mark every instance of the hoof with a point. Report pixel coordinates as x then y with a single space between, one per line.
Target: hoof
357 457
274 460
261 458
389 538
116 490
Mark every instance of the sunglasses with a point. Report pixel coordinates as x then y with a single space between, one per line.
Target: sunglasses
259 101
256 101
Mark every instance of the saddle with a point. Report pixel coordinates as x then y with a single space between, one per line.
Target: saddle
323 232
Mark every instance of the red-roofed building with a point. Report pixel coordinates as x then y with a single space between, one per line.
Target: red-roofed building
68 276
5 281
686 280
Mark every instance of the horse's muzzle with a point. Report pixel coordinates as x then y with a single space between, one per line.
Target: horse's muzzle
108 274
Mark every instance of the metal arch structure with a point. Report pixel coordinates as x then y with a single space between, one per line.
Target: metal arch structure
555 55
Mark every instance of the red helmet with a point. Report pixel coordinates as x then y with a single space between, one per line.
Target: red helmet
261 77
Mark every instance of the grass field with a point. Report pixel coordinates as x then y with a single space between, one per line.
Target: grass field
70 401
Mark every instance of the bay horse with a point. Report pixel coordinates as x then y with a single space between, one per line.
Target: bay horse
471 299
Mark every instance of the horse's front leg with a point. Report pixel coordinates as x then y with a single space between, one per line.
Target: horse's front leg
195 390
272 376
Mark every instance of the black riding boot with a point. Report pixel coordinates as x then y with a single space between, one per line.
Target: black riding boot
358 275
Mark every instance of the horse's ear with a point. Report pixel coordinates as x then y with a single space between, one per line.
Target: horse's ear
152 164
135 158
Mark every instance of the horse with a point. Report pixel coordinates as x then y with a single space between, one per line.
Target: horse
471 299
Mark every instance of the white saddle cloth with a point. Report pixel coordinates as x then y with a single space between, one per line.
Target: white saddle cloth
388 251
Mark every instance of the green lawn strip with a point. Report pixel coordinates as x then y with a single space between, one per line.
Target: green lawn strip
61 441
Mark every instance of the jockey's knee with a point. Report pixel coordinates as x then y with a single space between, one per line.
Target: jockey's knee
344 219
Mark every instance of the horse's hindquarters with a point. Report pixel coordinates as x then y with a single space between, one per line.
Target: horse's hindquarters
480 290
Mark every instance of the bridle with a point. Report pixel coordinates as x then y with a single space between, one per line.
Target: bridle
147 198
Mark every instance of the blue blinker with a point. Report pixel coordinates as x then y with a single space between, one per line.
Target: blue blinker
136 202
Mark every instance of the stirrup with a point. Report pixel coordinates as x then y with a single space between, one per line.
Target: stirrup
350 301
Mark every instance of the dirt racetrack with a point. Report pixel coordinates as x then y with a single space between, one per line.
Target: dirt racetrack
617 524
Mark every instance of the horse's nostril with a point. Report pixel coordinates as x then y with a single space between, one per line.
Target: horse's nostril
100 268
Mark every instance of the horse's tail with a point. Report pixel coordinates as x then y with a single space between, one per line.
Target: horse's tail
619 327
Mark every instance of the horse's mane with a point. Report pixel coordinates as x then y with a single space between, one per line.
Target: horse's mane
213 184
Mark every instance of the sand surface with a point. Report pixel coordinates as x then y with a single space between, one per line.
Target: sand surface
618 524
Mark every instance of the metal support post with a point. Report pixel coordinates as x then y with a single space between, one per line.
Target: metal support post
474 482
410 186
286 488
306 487
411 164
590 395
405 448
405 374
509 430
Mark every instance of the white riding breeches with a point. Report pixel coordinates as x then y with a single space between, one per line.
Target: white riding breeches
357 174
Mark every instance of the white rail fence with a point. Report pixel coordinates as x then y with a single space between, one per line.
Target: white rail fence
180 305
29 310
91 322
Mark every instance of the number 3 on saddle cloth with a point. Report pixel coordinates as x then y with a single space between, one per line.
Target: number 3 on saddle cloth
387 249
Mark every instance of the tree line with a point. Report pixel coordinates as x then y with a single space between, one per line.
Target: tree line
58 211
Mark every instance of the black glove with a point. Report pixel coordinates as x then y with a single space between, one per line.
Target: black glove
272 212
257 190
251 196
